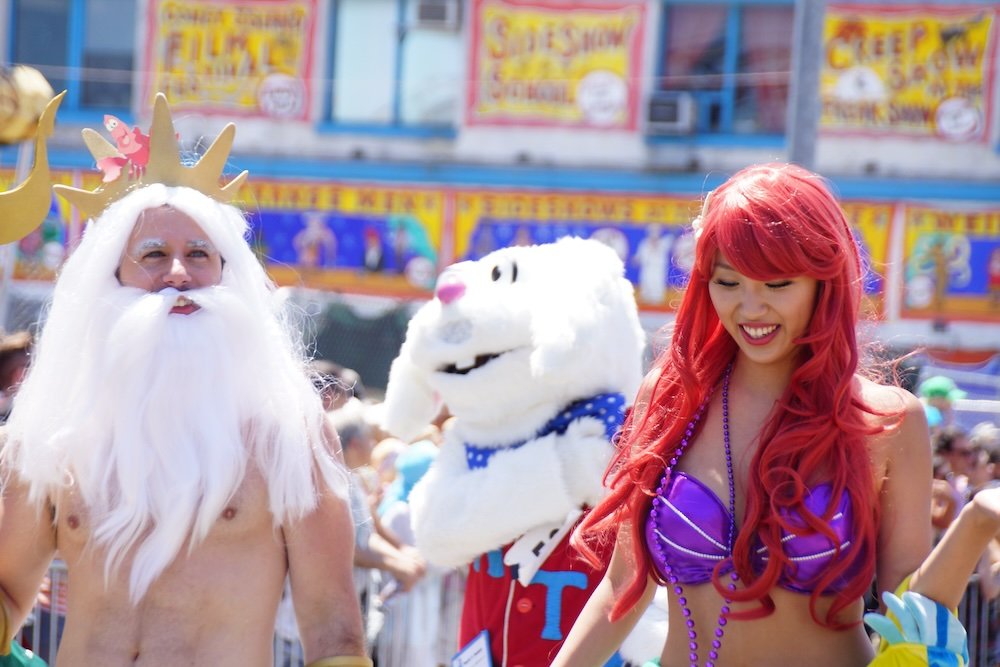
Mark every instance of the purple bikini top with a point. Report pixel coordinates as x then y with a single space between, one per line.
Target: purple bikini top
688 528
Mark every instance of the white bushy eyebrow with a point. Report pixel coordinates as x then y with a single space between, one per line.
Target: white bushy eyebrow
150 244
158 244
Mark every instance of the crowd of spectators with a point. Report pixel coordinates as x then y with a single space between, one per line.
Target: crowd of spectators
411 608
965 463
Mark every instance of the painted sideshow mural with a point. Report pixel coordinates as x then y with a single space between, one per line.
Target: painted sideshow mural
393 240
370 239
649 233
233 58
872 223
555 63
951 263
909 70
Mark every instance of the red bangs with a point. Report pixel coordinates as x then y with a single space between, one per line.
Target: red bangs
767 249
768 225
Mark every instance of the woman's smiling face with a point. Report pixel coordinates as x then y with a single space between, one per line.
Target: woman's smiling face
764 317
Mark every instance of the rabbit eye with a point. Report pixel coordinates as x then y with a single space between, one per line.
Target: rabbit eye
510 272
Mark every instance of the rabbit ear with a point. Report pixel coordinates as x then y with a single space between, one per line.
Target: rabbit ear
573 303
410 403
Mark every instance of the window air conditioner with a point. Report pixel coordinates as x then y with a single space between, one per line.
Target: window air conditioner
441 14
671 112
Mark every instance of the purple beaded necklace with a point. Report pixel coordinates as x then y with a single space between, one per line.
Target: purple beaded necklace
672 579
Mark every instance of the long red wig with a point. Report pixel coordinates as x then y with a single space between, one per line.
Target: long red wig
773 220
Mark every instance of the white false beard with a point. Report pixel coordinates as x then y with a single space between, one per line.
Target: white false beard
168 428
164 417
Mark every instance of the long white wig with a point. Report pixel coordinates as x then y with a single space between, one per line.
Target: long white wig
155 418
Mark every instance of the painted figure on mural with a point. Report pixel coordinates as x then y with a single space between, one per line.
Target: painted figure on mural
484 241
993 278
614 238
653 258
374 251
400 242
523 237
413 252
938 264
315 245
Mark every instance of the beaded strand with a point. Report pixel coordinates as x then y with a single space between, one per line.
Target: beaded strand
672 579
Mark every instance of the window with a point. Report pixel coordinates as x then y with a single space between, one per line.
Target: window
108 49
734 60
396 66
85 47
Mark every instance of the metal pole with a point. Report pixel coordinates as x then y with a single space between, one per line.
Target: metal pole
8 252
803 94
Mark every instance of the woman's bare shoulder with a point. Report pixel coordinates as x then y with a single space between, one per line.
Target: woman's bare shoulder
884 398
897 415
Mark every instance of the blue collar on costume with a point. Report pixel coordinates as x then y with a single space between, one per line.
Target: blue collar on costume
608 408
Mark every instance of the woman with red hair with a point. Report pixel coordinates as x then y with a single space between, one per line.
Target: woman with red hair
761 477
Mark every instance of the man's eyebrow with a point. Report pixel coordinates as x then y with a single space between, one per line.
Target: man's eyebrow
150 244
157 244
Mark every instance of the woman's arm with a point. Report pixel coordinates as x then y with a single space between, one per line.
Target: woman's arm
944 575
594 638
905 534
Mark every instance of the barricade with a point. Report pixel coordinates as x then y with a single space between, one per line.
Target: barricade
43 629
980 618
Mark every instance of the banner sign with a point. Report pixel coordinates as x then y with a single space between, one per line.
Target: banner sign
393 240
356 238
952 263
912 71
872 222
545 62
650 233
242 58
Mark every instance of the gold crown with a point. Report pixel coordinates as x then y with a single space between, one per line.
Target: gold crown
161 165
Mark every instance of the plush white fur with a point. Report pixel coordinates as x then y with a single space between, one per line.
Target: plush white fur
566 327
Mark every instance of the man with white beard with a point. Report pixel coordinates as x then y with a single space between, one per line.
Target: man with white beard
170 447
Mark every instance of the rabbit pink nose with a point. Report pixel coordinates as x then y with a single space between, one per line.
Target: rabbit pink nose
449 291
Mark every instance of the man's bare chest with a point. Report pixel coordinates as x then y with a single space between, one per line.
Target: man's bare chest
81 527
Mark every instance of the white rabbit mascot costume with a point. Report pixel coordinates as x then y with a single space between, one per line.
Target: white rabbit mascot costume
535 351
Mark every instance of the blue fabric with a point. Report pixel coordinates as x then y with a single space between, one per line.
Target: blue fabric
608 408
412 464
393 493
